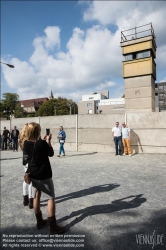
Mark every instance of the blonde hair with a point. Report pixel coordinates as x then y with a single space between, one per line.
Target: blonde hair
33 131
23 136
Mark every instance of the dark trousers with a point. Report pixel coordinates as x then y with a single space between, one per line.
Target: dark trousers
118 144
4 142
15 143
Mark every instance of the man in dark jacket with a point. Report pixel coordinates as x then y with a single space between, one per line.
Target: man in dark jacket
4 138
14 137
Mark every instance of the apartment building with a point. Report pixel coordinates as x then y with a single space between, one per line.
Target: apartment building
99 103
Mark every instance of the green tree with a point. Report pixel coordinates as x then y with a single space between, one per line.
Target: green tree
57 106
9 102
19 112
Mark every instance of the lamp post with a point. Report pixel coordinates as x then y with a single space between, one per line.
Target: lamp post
69 105
56 108
9 65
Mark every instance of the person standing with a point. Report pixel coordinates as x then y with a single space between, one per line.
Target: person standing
126 139
27 188
39 167
14 137
61 137
117 138
5 135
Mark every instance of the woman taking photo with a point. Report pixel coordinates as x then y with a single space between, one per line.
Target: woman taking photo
40 171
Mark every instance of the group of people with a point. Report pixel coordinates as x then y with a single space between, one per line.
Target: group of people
14 135
36 153
121 135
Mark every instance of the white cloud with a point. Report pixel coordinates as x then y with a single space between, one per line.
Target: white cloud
163 80
106 85
89 61
93 56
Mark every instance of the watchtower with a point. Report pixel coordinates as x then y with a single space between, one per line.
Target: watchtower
139 68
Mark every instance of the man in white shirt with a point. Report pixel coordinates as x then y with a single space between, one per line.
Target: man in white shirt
117 138
126 139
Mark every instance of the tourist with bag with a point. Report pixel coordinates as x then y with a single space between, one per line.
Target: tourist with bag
61 138
40 171
27 187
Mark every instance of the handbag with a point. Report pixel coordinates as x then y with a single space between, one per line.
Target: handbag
27 176
62 141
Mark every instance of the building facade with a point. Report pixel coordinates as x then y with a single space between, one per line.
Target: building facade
160 96
32 105
100 103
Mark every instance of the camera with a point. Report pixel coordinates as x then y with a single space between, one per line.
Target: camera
47 131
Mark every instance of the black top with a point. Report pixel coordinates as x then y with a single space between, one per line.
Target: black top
16 133
25 158
6 132
40 167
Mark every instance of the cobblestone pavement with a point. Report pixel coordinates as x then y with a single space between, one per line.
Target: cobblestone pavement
111 202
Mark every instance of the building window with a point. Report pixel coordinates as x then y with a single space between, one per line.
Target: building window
90 98
90 111
97 107
128 57
143 54
89 104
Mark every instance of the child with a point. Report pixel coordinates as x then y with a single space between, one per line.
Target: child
27 189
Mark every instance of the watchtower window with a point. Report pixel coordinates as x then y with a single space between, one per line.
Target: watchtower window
143 54
128 57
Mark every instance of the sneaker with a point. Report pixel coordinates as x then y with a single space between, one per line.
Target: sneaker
64 155
129 155
58 155
124 154
116 154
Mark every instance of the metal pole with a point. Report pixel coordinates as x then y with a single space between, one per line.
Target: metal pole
70 109
10 123
125 118
76 133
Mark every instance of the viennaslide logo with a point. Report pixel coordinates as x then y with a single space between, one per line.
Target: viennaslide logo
150 239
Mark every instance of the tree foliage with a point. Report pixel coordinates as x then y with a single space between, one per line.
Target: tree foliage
19 112
57 106
10 100
8 104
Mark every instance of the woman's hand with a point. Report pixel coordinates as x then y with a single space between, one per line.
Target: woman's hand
48 137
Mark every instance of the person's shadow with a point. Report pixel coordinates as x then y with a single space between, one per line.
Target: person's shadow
85 192
135 142
115 206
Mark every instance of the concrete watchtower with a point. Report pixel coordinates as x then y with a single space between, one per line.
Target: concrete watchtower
139 68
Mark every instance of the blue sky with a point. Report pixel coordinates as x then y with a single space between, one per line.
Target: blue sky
72 47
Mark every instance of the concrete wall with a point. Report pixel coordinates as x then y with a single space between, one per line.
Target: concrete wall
92 133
